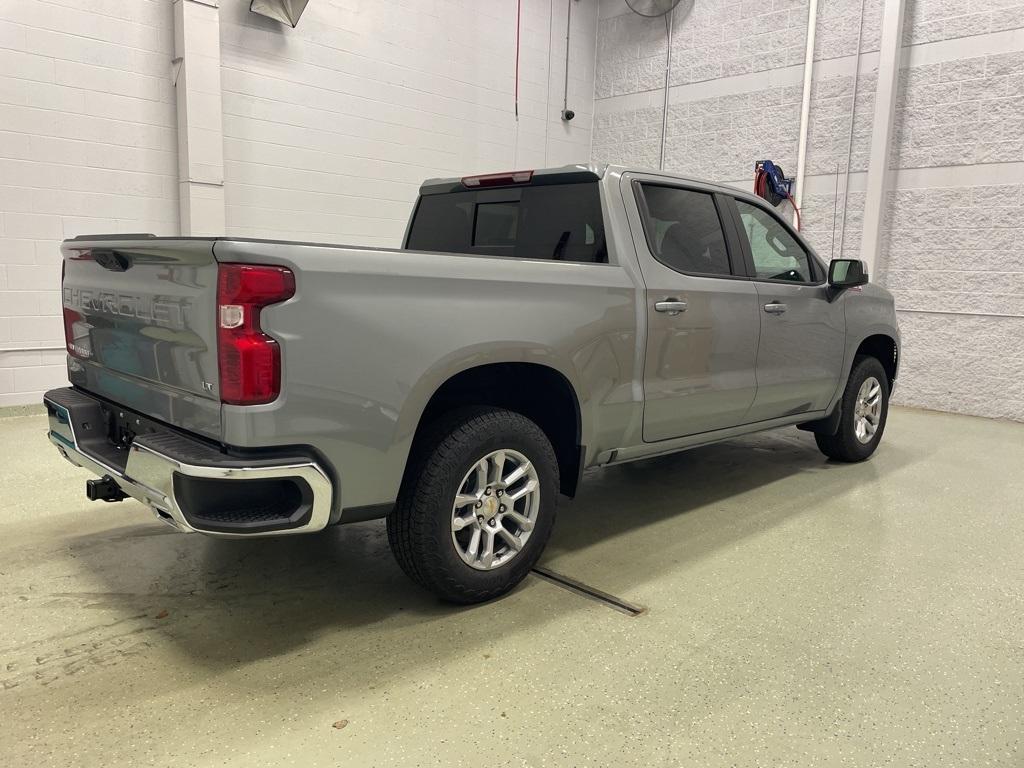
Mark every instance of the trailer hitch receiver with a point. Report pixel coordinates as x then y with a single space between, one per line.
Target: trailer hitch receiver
104 489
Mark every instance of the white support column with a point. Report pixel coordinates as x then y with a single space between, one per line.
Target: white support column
805 104
200 132
889 58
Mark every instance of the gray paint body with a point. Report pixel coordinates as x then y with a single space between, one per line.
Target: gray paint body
151 329
371 334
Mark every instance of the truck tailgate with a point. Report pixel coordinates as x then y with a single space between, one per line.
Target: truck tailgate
140 324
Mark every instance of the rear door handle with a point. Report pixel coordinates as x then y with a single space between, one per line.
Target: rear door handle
671 306
775 308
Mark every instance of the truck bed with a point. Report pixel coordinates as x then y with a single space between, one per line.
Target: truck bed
366 340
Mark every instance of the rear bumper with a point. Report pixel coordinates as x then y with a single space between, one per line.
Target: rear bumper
190 484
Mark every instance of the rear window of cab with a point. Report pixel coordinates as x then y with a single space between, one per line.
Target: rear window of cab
560 222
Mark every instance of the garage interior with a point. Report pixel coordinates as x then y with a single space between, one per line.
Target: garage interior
743 603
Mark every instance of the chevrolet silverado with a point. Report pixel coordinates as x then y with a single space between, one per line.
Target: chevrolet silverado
535 324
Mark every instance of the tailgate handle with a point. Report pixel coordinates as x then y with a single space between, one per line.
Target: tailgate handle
115 261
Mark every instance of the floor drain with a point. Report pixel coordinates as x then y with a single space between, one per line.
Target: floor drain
587 591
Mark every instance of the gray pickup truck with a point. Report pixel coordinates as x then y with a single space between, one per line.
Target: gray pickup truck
535 324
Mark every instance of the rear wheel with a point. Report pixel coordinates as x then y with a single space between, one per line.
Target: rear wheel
477 506
864 409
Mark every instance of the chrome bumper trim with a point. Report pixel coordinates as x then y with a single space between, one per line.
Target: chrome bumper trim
149 477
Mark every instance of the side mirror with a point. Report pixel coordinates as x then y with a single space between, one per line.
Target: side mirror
847 273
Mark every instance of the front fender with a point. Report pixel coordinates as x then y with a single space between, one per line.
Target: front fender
870 313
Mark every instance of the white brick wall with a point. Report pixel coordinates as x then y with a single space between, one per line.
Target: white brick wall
963 363
954 232
961 111
958 249
87 144
328 128
929 21
821 224
722 39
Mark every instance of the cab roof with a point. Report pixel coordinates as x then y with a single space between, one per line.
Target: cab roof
565 174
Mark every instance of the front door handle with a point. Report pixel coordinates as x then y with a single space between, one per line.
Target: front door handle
671 306
775 308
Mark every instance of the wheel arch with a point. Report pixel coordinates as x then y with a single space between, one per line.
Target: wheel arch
537 390
884 348
880 343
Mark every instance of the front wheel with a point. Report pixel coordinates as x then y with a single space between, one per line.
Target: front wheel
864 409
477 506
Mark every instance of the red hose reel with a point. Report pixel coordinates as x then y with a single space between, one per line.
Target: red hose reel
771 184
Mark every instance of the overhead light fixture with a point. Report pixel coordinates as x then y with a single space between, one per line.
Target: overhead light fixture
284 11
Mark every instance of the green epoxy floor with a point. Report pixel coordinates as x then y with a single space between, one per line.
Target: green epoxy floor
798 613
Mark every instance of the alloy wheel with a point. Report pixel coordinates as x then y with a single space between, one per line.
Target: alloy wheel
867 412
495 509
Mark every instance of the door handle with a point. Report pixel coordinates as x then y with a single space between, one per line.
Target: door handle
775 308
671 306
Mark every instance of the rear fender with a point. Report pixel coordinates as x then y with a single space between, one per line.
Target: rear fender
473 357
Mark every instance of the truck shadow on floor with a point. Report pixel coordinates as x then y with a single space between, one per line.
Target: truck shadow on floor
712 496
227 604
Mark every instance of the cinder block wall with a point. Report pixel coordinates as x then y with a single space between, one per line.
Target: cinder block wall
954 240
87 144
328 128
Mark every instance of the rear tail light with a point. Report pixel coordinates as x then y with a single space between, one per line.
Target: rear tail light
76 329
249 359
76 334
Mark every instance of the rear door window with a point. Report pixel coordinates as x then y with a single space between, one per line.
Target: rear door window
561 222
684 231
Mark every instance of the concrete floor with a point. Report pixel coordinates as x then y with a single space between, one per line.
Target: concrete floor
799 613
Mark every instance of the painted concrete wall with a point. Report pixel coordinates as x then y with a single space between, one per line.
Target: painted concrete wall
954 232
328 129
87 144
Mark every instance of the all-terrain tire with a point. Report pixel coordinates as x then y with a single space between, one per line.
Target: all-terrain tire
420 526
845 445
